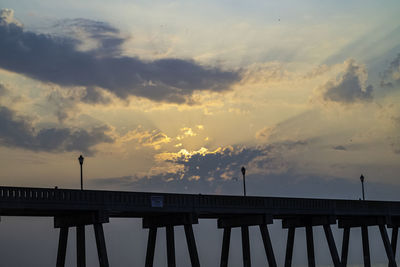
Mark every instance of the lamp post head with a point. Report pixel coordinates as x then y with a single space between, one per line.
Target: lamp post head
243 169
81 158
362 178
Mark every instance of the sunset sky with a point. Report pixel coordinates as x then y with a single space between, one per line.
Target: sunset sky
177 96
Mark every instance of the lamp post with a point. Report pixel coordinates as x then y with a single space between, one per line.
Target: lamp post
81 158
362 186
244 180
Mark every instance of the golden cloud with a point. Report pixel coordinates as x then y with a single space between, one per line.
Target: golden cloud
185 155
154 138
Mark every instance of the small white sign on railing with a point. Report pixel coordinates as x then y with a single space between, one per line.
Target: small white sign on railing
157 201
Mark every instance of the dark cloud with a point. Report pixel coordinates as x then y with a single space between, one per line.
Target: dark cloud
57 60
95 96
212 172
226 163
349 88
18 132
391 75
64 101
339 147
61 103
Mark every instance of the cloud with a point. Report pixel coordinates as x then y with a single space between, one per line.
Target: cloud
218 172
225 162
391 75
154 138
339 147
317 71
97 36
95 96
270 172
64 101
18 132
265 73
264 134
3 90
59 60
7 17
350 87
187 132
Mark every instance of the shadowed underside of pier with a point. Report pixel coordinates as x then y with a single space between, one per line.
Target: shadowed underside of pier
79 208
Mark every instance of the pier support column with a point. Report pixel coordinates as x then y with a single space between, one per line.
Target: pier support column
101 244
310 246
388 248
345 245
363 222
191 243
308 222
394 223
246 246
289 246
268 246
80 220
225 246
261 220
80 246
395 233
365 244
151 246
332 245
169 221
170 245
62 247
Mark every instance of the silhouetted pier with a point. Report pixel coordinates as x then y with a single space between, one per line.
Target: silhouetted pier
78 208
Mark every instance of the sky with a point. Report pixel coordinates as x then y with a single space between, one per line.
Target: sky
176 96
